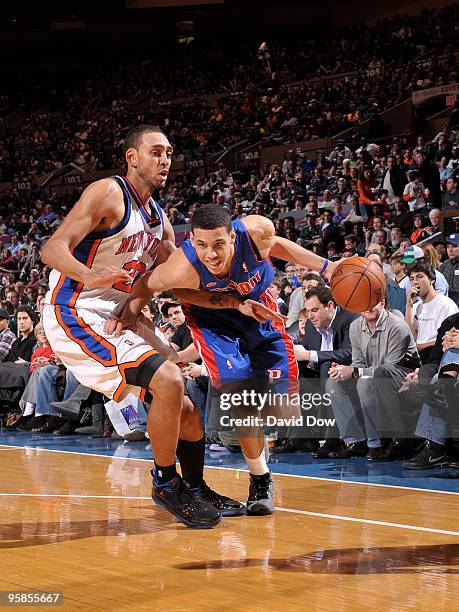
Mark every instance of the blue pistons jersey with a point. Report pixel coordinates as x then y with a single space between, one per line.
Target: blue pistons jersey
249 276
234 346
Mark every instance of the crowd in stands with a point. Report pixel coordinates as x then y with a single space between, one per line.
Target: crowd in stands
81 117
390 202
347 202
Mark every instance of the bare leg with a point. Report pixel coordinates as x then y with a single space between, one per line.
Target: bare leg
251 447
163 421
191 428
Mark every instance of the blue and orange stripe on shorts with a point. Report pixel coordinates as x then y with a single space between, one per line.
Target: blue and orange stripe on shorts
64 298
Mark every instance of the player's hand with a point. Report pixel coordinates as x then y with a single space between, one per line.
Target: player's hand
119 321
105 277
118 326
332 267
260 312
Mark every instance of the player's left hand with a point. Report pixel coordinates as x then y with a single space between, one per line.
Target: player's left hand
260 312
118 323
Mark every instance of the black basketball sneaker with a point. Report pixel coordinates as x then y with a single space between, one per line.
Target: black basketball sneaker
179 500
225 505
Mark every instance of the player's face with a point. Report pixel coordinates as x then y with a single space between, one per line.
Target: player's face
152 160
214 248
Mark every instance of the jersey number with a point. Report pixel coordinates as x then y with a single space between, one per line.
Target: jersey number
135 268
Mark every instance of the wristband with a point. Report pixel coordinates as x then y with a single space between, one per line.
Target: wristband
324 267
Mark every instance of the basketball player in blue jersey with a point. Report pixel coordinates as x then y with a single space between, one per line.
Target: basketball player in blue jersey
232 258
113 234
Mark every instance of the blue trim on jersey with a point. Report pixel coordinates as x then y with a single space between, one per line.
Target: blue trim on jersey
69 286
124 221
159 211
146 216
249 276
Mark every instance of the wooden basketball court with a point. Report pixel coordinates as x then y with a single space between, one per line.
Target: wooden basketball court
85 525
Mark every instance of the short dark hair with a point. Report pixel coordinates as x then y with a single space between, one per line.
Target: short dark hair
313 276
413 174
419 267
169 295
167 306
134 136
28 310
322 293
211 216
351 238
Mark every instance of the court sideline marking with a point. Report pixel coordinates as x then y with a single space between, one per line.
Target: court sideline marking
289 510
231 469
337 517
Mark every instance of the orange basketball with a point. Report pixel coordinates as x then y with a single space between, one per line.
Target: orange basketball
358 284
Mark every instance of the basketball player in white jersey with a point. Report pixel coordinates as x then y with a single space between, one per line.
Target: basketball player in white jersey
113 234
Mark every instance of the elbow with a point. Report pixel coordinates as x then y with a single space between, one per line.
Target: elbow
45 253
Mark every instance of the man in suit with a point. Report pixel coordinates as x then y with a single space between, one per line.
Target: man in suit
393 180
326 337
325 341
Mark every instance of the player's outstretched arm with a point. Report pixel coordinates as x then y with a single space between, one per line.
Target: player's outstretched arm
179 276
262 232
100 207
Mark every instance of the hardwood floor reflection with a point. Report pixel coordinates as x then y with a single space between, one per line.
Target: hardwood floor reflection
115 550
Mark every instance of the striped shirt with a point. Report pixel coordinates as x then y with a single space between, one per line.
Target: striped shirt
6 342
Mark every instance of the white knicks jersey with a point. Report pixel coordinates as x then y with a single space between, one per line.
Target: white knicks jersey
132 245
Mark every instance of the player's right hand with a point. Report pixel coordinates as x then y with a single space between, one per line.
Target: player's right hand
105 277
115 326
260 312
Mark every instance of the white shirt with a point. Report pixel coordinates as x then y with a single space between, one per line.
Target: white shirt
404 283
415 192
428 316
327 341
388 185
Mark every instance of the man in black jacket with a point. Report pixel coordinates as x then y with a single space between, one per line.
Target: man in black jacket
326 337
326 340
393 179
430 176
432 422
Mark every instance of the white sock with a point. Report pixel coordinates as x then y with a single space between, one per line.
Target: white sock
258 466
28 410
